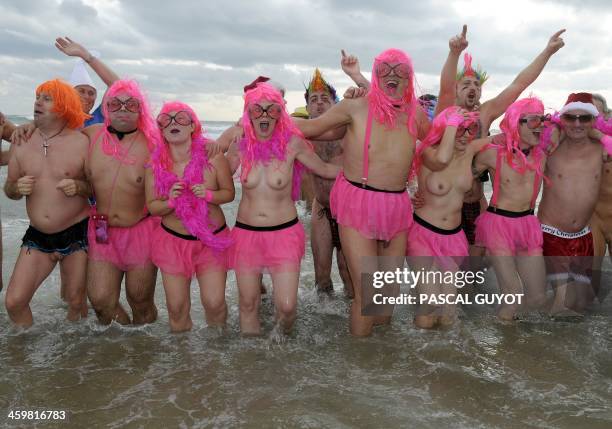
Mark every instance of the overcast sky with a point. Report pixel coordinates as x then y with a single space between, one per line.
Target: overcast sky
204 52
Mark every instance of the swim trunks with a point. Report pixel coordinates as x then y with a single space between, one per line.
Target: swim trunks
569 255
70 240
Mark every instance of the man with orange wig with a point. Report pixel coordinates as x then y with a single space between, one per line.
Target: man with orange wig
50 172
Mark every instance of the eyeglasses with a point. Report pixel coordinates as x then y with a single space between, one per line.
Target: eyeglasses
131 105
472 129
182 118
401 70
534 121
583 119
273 111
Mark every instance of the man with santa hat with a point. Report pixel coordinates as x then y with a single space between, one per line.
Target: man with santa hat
574 172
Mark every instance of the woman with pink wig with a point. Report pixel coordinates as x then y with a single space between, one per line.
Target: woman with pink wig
509 229
437 242
369 200
186 189
268 236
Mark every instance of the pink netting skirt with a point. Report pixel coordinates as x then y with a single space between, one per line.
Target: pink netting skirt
501 234
273 249
185 255
448 247
127 248
377 215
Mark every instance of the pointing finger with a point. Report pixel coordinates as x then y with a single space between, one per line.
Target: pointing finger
558 33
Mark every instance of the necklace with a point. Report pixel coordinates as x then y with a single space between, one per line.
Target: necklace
46 139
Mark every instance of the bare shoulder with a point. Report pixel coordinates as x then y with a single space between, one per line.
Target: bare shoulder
77 137
91 130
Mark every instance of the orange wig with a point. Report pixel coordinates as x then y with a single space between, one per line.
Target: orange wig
66 102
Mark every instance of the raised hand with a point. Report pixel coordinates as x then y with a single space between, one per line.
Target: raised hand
555 42
459 42
349 64
71 48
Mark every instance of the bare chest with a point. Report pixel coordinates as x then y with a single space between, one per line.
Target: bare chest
59 161
275 175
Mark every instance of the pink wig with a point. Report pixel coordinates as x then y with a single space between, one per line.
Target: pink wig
436 132
146 123
510 127
176 106
382 105
191 210
254 151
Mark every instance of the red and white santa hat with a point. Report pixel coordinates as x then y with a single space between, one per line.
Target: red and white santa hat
580 101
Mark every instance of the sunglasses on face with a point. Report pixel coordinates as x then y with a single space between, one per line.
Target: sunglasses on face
583 119
401 70
471 129
181 118
273 111
131 105
534 121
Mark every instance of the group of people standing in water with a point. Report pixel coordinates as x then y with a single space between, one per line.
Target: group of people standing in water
118 193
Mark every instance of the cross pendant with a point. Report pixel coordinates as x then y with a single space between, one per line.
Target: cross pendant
45 146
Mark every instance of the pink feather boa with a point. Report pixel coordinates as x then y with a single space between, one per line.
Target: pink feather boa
191 210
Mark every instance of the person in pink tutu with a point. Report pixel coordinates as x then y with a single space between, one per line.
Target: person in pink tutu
437 242
267 236
509 230
369 200
120 228
186 189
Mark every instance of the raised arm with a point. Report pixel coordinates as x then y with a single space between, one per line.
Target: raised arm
74 49
485 157
494 108
350 66
448 76
439 157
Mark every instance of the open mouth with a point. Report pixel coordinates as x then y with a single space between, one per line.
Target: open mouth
264 126
37 112
391 85
175 131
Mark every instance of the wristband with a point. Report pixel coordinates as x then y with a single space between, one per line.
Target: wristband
171 203
208 196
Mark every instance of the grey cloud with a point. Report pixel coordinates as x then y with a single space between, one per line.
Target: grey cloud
259 37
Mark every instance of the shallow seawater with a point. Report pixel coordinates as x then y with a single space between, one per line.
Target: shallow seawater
481 373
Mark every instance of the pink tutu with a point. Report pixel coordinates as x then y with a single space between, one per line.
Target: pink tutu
448 247
185 255
275 249
502 231
376 214
127 247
